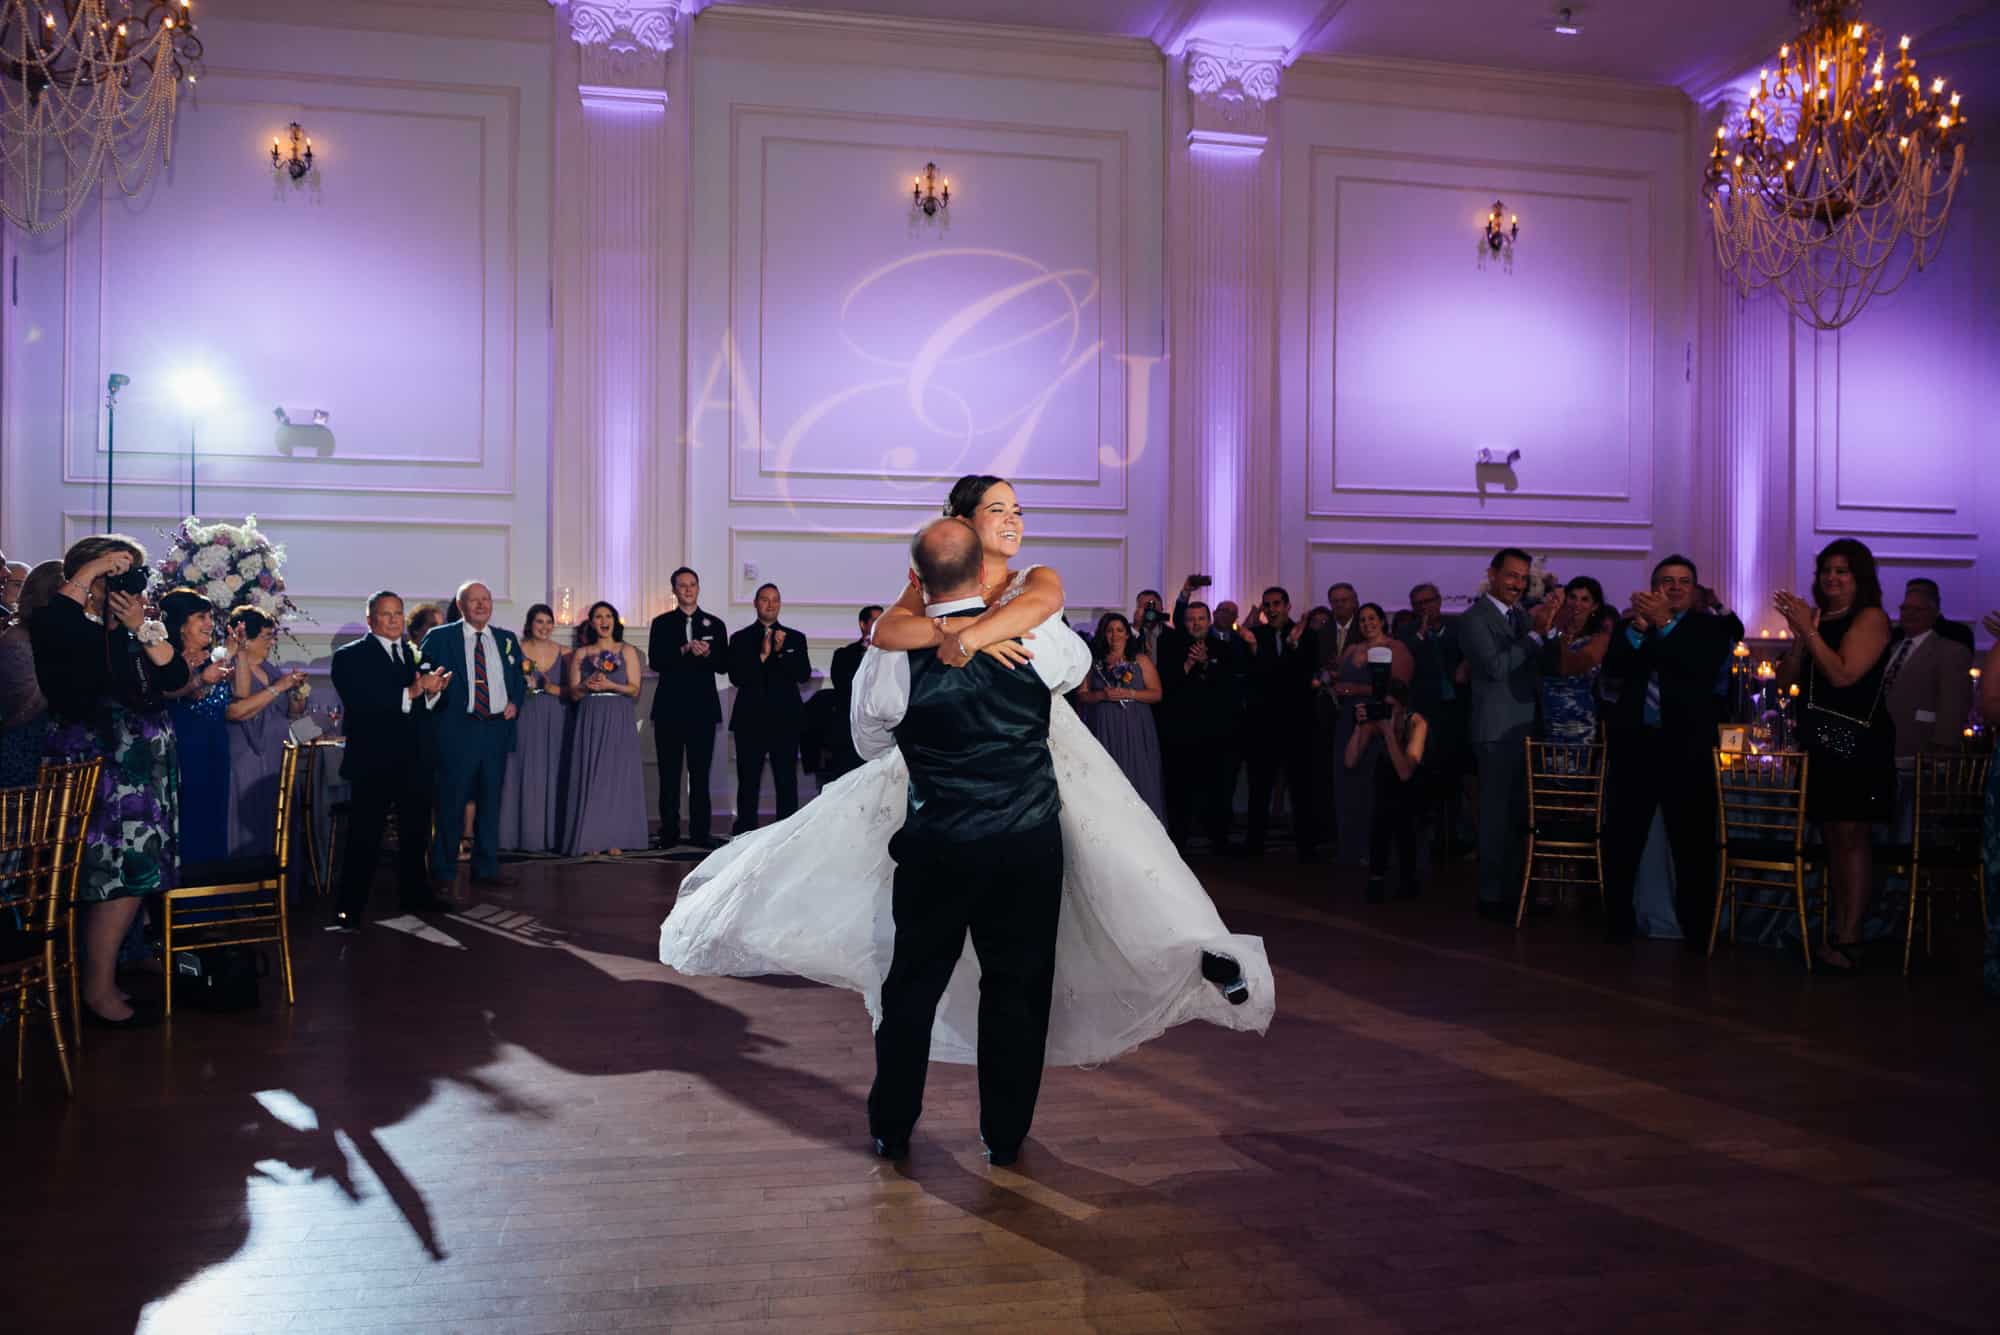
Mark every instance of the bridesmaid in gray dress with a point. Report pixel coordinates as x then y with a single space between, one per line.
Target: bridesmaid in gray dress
260 713
604 809
1118 698
530 805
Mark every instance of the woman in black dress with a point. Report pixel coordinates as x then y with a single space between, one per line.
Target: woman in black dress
1841 649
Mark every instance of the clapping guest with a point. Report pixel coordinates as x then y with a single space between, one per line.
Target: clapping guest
767 665
1503 655
24 713
1583 627
530 812
1661 733
607 788
1197 717
689 649
472 725
1839 661
263 704
1121 680
104 669
1397 737
1277 731
381 683
201 727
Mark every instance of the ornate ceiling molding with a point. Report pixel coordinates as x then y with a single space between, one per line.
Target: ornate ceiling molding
1230 92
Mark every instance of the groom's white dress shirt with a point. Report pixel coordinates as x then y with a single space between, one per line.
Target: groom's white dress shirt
882 684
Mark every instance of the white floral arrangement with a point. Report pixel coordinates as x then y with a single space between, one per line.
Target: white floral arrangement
232 565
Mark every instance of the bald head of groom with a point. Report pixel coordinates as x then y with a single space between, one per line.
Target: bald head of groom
946 555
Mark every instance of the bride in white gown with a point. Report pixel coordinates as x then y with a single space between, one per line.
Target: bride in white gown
1139 945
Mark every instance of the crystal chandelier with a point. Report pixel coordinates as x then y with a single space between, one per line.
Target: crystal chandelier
87 85
1839 158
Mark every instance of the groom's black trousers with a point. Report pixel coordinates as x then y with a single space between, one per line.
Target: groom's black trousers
1007 891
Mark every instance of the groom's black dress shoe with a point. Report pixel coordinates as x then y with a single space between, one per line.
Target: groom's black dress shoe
1227 975
1003 1158
891 1149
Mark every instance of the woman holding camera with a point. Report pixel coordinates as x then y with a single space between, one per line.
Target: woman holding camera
1365 671
1397 736
105 670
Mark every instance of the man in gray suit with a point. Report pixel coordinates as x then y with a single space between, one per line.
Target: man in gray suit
1504 648
1928 685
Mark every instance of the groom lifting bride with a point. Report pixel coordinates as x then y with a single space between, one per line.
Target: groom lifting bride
980 851
986 810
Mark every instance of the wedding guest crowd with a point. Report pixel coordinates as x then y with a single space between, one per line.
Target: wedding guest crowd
1389 737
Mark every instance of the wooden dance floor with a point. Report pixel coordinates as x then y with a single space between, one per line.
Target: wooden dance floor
516 1121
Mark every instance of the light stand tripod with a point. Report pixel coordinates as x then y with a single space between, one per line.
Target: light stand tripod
111 388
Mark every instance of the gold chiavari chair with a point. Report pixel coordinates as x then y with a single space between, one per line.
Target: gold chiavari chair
41 841
1761 814
1946 854
1565 818
249 896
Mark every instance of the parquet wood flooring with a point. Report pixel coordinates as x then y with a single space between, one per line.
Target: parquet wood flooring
514 1121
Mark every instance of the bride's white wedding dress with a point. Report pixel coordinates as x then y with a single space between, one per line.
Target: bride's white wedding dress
810 896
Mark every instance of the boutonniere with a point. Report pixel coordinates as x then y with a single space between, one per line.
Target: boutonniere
507 651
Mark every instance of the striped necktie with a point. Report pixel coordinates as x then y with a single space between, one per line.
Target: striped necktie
482 700
1896 661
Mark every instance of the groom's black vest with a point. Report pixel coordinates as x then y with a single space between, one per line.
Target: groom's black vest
976 740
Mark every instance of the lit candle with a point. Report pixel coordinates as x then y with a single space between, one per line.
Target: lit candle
1794 691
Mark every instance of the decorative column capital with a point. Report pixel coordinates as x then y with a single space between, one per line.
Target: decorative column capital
1230 92
624 46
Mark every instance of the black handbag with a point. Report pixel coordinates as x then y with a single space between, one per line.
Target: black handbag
219 978
1833 732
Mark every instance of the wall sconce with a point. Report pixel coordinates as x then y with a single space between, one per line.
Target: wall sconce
929 193
1497 459
298 162
1498 240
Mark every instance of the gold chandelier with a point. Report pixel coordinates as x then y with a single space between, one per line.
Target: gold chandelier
1839 158
87 85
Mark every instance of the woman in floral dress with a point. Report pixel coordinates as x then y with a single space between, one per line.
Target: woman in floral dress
105 670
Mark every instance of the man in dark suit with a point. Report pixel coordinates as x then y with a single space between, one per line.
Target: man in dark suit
380 693
1438 692
1278 723
767 664
1197 722
689 649
1504 653
837 743
1667 660
472 729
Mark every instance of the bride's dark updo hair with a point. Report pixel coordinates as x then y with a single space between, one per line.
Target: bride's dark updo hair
966 493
